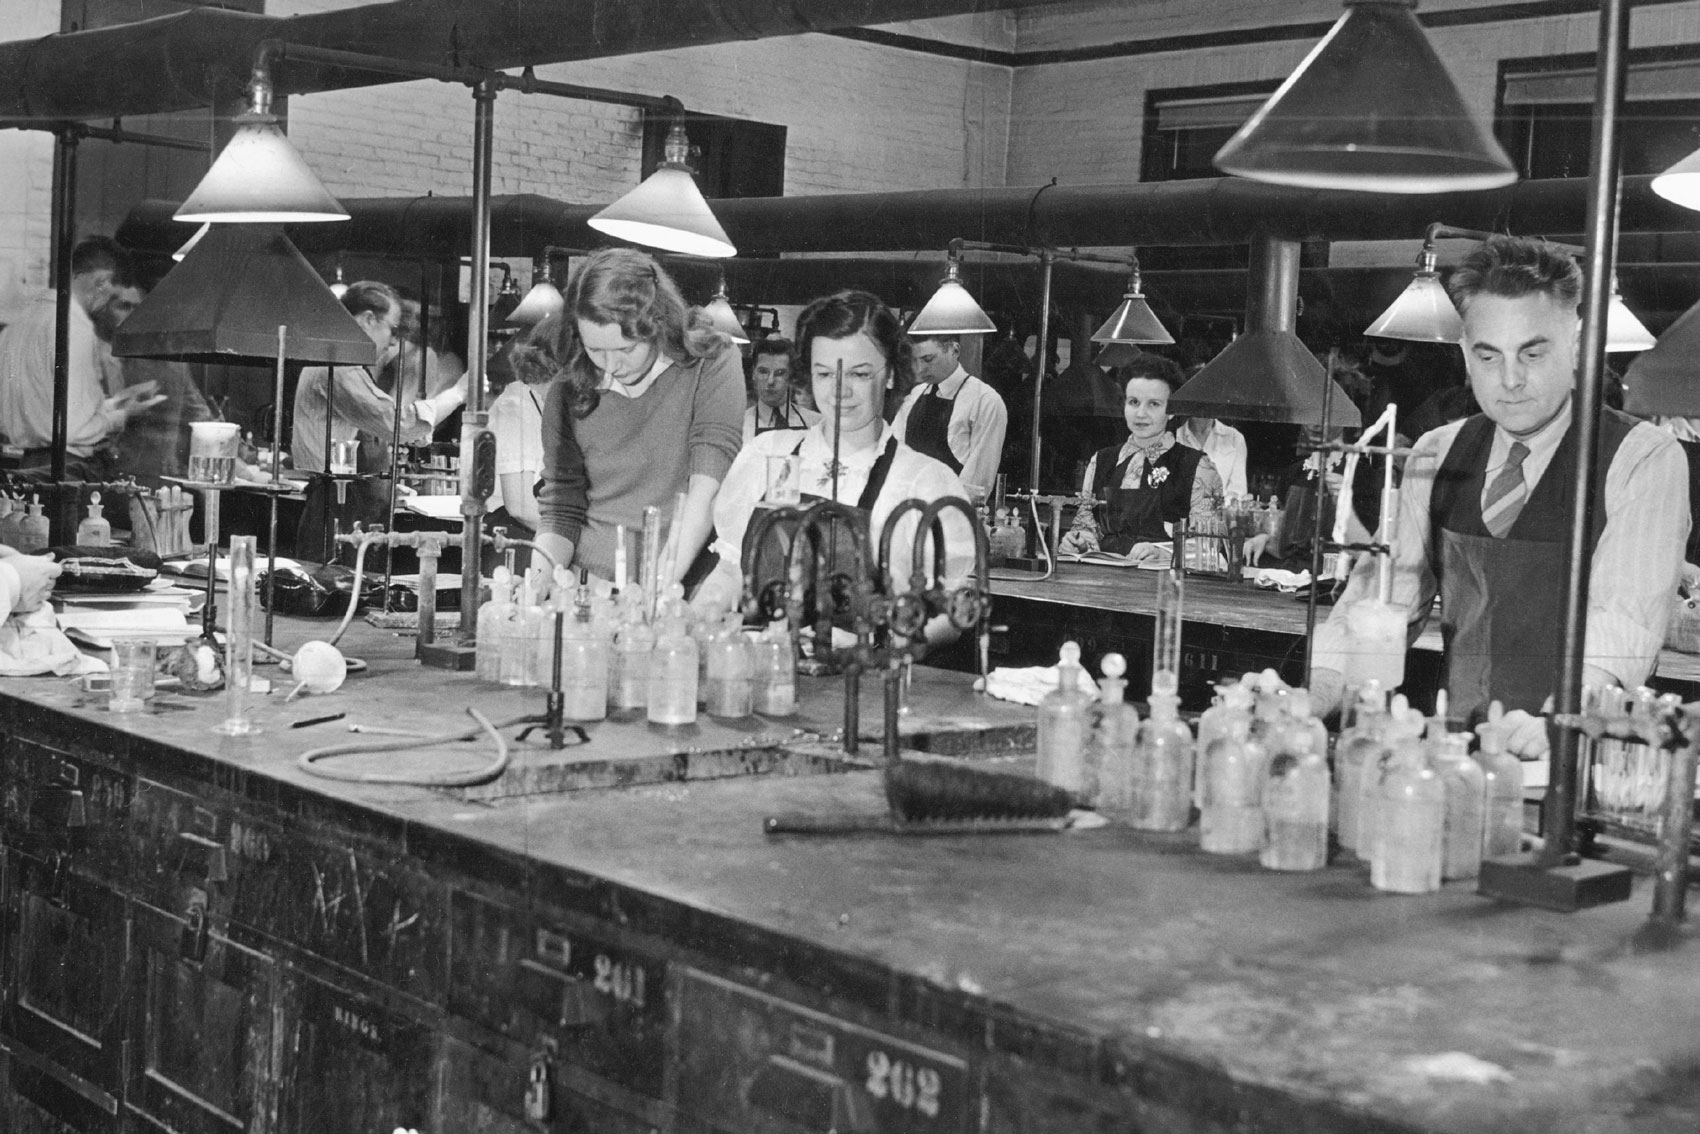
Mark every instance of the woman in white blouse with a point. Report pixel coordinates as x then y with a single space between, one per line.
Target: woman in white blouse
854 334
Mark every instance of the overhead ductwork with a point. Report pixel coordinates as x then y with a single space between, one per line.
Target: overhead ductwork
189 60
1221 210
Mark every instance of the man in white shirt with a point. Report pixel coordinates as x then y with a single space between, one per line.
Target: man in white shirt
1484 511
358 405
98 405
1223 444
773 366
951 415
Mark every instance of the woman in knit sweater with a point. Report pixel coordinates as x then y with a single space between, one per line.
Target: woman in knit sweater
648 403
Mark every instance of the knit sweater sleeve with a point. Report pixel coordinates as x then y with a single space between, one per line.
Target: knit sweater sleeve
563 501
717 415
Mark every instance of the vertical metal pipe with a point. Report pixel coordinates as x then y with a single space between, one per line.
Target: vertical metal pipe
1559 821
1041 359
276 478
473 418
1272 293
1676 828
65 230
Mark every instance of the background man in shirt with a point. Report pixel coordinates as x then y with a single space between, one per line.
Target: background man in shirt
951 415
773 365
1485 502
359 406
103 293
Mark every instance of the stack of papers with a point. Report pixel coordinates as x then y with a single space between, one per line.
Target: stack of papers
161 611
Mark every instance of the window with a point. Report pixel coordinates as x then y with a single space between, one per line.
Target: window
1546 106
1184 127
732 157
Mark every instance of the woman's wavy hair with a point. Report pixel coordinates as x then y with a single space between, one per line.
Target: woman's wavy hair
842 314
626 288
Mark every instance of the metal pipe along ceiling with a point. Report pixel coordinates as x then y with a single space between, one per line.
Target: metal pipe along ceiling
1225 210
187 60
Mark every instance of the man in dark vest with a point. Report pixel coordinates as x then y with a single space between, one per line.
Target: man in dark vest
1485 504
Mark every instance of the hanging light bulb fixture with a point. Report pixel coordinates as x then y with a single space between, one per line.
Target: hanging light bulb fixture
259 178
1372 108
339 287
1423 313
191 242
724 318
543 300
1133 321
1680 184
1624 332
668 210
952 310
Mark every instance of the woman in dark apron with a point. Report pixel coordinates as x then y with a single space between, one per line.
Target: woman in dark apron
1148 483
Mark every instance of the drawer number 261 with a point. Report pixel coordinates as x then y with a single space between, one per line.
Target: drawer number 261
910 1087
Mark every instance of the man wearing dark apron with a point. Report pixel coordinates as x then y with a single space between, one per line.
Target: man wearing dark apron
952 416
773 383
1485 510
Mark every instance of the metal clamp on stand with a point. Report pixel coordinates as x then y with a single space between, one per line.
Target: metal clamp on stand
429 546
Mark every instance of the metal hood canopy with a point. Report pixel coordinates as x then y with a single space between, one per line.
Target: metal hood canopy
191 59
226 300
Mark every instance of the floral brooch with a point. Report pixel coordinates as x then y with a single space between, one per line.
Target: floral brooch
1158 475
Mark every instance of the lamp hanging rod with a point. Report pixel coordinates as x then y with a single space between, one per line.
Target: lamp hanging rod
272 51
957 246
117 133
1438 231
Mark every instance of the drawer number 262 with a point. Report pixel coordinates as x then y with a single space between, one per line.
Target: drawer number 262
910 1087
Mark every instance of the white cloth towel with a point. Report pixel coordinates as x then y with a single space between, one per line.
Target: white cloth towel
1027 686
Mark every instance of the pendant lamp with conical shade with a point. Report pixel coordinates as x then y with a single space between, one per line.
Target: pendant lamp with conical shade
543 300
725 320
1423 313
952 310
259 178
1133 321
1624 332
667 211
1680 184
1371 108
1663 381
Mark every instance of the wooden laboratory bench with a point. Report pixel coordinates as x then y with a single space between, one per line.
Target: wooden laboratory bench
1230 629
199 936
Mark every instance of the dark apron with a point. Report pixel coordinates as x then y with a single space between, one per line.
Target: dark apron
775 550
1500 598
1137 515
928 429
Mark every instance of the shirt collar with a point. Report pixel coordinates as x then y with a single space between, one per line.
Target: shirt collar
1541 445
951 386
642 385
1151 451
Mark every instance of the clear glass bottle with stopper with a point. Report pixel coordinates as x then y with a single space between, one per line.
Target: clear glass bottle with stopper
1162 781
672 697
634 643
1409 847
1114 740
1502 791
493 619
730 685
94 531
1401 725
1359 747
1231 789
1295 806
1063 726
32 532
1466 788
773 662
584 660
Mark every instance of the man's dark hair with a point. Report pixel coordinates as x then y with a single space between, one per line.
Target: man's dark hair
775 344
370 295
1515 266
102 253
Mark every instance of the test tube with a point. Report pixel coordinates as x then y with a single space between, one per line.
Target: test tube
1166 650
240 605
651 566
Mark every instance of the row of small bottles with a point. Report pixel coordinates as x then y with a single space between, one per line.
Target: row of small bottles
614 657
1418 809
24 528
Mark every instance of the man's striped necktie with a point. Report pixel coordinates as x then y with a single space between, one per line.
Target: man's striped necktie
1507 494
